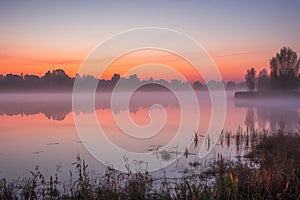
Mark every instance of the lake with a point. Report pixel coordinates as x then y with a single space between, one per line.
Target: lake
39 129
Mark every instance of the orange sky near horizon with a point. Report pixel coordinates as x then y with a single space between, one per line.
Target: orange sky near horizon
148 61
231 66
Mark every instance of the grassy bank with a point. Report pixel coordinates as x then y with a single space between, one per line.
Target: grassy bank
270 171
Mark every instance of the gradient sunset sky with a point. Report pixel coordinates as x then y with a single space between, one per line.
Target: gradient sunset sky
36 36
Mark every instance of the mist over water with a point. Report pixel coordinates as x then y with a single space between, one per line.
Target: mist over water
38 129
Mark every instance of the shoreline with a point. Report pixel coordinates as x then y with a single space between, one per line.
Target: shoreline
266 94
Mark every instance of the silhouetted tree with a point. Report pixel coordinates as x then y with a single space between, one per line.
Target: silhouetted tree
115 78
1 81
180 85
13 81
162 81
31 81
285 69
241 85
176 83
197 85
59 76
212 84
250 79
230 85
57 79
13 78
109 84
47 78
133 78
263 82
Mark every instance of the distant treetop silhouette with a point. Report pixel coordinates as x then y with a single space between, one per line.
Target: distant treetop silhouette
285 69
58 80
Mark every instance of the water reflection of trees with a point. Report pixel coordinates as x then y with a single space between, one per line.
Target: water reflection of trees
55 110
58 106
267 114
250 119
275 115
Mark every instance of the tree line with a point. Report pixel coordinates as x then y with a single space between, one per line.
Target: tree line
58 80
284 73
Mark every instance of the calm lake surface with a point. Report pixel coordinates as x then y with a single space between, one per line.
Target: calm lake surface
39 129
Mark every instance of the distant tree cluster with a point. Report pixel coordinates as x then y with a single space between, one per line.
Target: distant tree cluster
58 80
284 73
216 85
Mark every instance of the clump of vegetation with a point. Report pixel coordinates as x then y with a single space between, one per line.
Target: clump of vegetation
270 170
283 80
278 158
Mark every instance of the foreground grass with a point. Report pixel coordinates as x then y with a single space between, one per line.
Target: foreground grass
270 171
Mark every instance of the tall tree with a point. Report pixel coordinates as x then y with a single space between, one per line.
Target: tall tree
263 82
250 79
285 69
115 78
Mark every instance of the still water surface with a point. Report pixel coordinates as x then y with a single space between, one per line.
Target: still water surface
39 129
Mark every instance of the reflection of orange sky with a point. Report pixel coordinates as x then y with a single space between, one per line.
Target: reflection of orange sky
231 67
34 132
35 129
141 117
122 140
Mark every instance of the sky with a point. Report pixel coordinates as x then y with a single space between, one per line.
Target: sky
37 36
